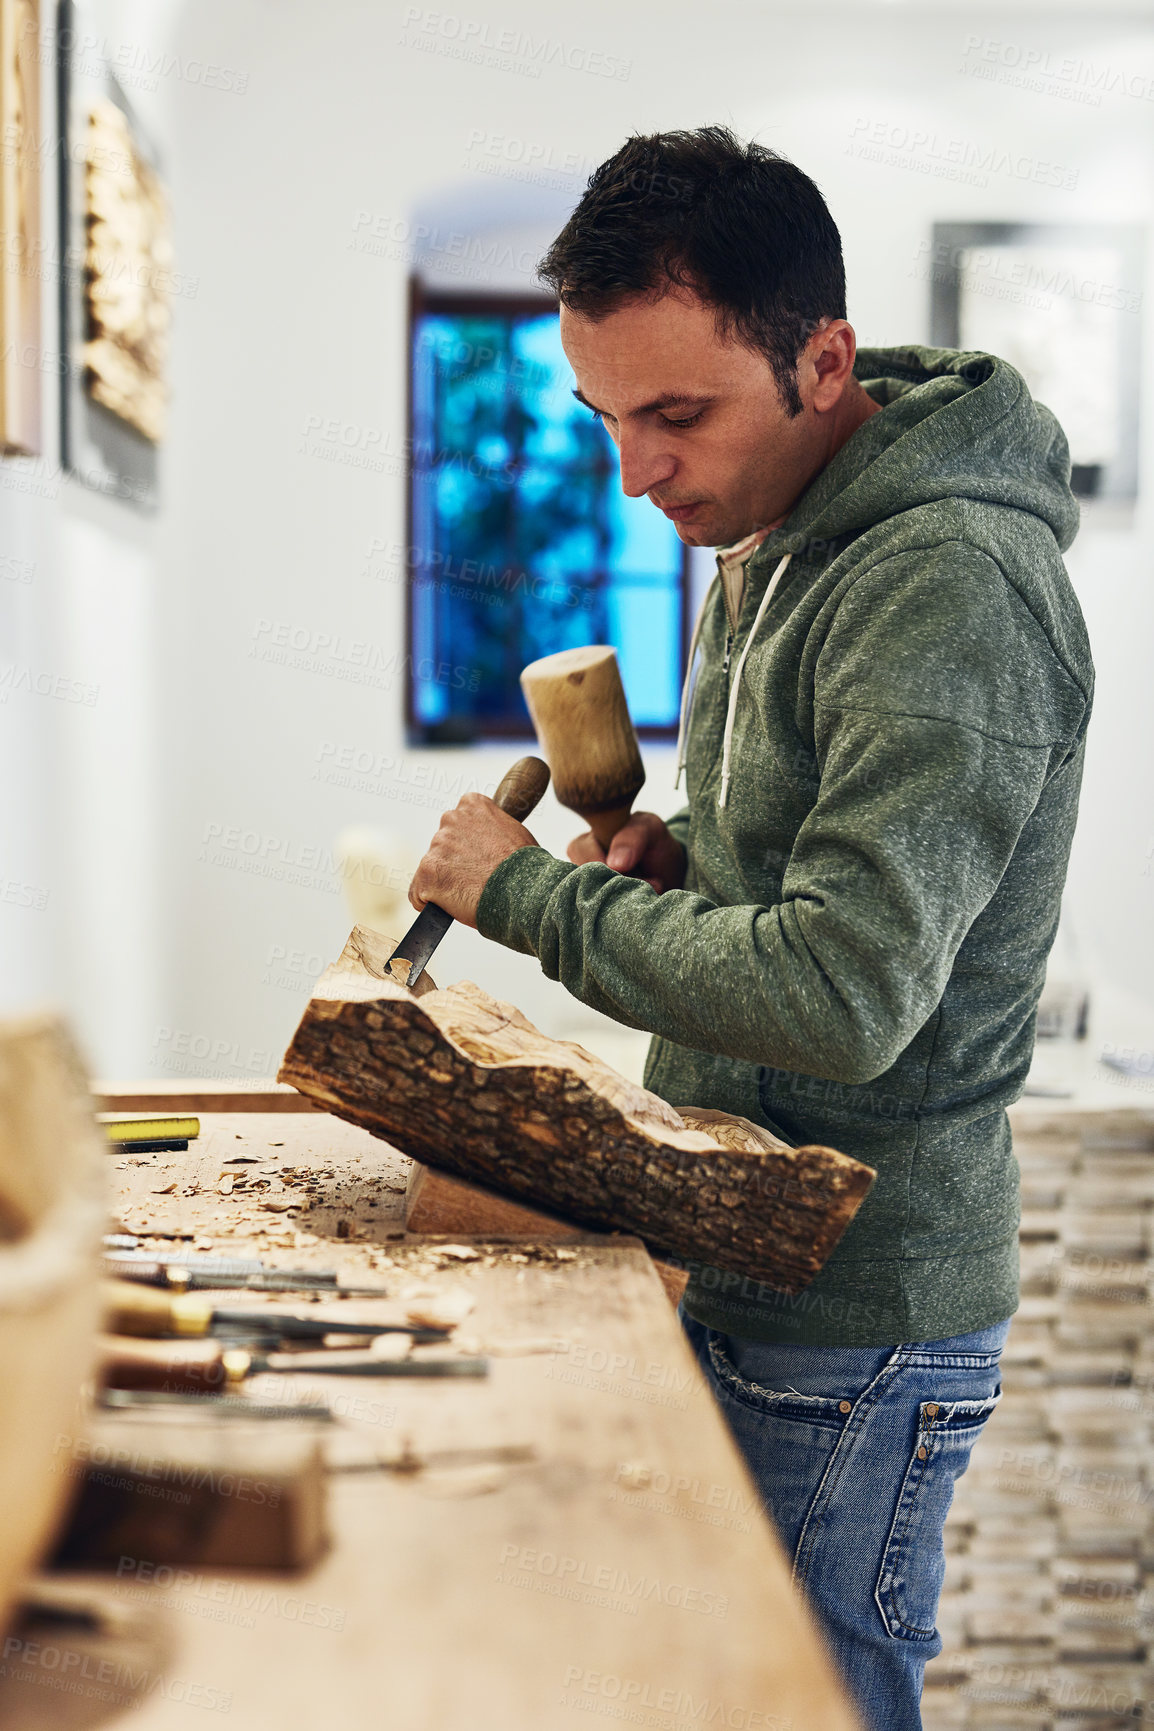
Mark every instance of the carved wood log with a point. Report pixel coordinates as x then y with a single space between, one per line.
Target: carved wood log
466 1084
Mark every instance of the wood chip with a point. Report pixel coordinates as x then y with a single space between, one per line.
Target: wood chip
508 1346
437 1309
167 1190
467 1482
224 1184
391 1346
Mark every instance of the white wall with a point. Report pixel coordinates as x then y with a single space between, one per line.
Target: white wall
357 108
81 710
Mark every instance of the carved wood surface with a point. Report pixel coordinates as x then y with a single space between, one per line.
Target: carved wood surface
466 1084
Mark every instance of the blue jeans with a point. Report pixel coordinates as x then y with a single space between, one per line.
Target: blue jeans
855 1451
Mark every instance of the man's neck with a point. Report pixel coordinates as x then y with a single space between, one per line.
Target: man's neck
854 408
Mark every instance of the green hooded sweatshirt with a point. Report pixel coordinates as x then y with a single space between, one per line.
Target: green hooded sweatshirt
857 954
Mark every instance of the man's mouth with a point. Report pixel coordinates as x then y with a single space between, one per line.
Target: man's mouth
679 513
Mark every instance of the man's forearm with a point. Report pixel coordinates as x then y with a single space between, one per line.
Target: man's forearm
735 980
903 850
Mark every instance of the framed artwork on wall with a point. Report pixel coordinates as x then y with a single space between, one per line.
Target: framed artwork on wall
115 312
1062 304
21 371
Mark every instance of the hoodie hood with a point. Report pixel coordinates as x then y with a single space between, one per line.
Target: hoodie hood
957 424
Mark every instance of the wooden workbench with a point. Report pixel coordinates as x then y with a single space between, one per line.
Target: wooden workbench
593 1546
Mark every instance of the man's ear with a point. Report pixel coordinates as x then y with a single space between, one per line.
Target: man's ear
829 357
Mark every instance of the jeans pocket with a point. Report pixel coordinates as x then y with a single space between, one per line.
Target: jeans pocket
913 1563
827 1413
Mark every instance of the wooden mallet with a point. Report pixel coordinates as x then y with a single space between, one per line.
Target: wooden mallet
578 707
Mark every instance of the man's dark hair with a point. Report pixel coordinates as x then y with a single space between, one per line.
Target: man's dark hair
738 224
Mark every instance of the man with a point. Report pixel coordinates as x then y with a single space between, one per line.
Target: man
844 934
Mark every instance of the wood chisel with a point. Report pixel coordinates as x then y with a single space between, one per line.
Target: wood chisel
219 1406
207 1366
519 794
205 1274
141 1311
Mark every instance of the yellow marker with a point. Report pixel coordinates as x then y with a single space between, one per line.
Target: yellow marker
151 1129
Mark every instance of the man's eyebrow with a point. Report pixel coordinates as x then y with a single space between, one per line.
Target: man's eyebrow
676 400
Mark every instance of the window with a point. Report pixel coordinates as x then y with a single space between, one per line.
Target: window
521 541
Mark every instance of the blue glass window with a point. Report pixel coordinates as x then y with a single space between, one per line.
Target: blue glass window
521 541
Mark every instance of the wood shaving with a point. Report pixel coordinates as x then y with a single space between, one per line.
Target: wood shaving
477 1346
276 1206
167 1190
433 1308
471 1482
225 1183
391 1346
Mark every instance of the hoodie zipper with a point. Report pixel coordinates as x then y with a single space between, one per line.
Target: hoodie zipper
731 622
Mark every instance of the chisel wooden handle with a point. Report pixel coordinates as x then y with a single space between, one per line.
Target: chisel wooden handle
578 707
149 1311
519 792
178 1366
522 788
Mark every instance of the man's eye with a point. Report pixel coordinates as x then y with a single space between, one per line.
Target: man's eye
597 415
690 422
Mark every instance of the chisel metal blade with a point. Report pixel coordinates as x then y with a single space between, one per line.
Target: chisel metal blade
336 1363
408 960
216 1405
269 1322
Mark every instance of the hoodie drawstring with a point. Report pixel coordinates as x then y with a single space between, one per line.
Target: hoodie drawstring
687 688
731 715
683 718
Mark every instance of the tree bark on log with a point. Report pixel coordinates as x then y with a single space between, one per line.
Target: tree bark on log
467 1085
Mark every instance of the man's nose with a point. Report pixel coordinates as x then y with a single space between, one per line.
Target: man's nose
644 465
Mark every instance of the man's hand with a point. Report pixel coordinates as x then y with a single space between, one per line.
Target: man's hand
642 848
469 845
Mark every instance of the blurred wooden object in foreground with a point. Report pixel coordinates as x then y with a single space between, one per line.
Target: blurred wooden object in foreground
51 1217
